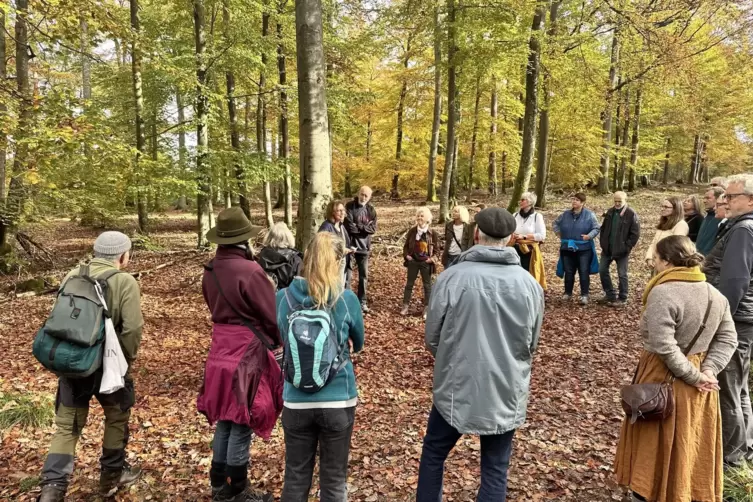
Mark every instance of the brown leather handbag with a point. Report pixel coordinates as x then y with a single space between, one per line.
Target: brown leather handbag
656 401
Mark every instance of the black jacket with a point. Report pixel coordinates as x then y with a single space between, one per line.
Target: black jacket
628 232
281 264
361 223
328 226
449 233
729 266
694 225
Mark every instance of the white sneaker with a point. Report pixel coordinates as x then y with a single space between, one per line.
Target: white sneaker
584 300
404 311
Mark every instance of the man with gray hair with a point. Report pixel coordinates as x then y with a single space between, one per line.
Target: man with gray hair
618 236
729 268
718 181
112 251
483 327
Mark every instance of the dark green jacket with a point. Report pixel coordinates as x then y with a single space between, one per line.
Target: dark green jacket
123 298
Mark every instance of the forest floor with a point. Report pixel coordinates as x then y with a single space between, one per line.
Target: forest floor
564 452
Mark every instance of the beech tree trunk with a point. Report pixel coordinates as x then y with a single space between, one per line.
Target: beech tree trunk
395 192
182 202
531 106
694 160
203 172
474 136
284 145
431 191
261 122
444 197
635 140
542 166
316 180
492 140
623 142
665 176
603 185
141 183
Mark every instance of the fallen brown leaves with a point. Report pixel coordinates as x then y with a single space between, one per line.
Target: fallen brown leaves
563 453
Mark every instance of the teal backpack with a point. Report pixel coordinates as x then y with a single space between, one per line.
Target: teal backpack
312 355
71 342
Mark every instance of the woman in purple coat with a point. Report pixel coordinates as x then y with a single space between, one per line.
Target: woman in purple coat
242 389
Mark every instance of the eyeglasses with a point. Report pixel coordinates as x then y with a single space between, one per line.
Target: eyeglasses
730 196
666 207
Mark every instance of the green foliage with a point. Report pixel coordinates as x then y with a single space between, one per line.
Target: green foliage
738 484
25 410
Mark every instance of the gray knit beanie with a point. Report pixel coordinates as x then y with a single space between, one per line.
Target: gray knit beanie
112 243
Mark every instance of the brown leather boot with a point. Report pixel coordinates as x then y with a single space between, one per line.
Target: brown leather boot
52 493
110 481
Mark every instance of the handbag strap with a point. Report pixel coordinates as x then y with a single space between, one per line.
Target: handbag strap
246 322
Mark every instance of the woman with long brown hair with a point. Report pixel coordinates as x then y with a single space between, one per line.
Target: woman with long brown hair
693 215
671 222
322 417
688 339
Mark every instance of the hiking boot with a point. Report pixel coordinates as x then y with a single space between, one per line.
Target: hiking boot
404 310
567 297
226 494
110 481
52 493
606 300
584 300
618 304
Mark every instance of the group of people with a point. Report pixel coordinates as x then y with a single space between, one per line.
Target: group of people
483 323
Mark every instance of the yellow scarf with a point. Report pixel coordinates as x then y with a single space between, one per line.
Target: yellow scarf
682 274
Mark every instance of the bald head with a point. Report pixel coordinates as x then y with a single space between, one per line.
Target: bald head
364 195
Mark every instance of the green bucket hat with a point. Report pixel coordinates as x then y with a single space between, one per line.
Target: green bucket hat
232 228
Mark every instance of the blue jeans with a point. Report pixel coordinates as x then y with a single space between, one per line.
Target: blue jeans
439 441
579 261
606 278
231 443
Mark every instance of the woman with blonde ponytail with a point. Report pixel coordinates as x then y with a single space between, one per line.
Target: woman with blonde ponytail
324 418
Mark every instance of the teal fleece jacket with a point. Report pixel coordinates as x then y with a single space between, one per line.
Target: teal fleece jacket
348 321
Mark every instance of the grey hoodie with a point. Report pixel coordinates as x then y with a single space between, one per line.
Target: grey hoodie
483 327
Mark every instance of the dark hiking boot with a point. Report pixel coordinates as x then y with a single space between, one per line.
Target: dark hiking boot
230 494
52 493
110 481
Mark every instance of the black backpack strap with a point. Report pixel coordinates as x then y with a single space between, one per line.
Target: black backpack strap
209 267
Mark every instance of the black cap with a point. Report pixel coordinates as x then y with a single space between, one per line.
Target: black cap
496 222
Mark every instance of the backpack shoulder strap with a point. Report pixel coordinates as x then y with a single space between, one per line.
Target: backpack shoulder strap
108 274
702 327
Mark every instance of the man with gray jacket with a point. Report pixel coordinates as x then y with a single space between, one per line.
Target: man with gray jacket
729 268
483 327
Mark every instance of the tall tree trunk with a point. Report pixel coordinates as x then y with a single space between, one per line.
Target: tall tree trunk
624 141
235 136
635 140
542 167
203 173
182 202
444 197
431 190
704 168
16 199
284 145
693 174
261 122
531 106
3 119
369 134
603 186
316 180
492 141
665 176
617 138
141 184
474 136
395 192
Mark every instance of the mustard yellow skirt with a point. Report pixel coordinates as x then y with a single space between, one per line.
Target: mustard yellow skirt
678 459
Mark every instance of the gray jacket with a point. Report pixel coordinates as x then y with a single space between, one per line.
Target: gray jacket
729 267
483 327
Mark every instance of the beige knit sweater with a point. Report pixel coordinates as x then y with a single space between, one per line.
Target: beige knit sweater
674 313
681 228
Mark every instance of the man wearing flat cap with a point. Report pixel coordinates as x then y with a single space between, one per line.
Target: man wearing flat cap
112 252
483 327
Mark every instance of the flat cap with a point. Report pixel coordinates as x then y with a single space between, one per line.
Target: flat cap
496 222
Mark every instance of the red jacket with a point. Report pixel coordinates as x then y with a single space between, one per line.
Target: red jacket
242 382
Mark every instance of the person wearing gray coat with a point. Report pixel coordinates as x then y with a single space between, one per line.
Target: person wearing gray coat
483 326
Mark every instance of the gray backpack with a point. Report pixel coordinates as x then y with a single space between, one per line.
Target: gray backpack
71 342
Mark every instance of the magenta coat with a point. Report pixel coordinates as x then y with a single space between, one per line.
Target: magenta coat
242 381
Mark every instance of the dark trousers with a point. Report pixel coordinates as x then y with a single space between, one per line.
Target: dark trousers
439 441
414 268
525 258
362 262
606 278
71 412
734 400
577 261
328 428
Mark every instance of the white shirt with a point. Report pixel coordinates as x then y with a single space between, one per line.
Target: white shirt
534 224
454 248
